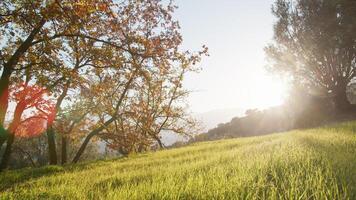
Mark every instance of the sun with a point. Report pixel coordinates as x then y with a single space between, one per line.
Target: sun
269 92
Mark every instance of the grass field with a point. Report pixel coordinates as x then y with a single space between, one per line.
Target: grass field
303 164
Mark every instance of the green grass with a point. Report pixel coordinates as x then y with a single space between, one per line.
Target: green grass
303 164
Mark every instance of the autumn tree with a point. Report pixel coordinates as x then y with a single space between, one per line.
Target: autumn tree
34 112
27 30
81 58
72 125
315 44
98 50
33 34
39 35
153 50
161 103
157 106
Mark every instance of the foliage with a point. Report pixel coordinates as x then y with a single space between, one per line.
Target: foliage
103 53
315 45
304 164
35 108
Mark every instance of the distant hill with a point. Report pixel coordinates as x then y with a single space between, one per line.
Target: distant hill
300 110
208 121
303 164
212 118
254 122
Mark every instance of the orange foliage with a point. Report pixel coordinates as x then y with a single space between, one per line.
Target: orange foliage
34 111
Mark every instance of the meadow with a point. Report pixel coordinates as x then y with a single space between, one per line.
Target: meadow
317 163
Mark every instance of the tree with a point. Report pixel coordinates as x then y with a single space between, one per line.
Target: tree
158 106
161 104
29 151
315 44
33 34
92 49
33 114
72 124
307 110
153 42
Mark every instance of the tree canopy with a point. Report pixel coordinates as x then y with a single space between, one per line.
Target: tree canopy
315 45
101 62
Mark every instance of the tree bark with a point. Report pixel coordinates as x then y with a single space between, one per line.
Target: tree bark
64 150
6 156
342 104
83 146
20 107
4 93
14 59
4 102
51 146
3 136
2 141
107 123
88 138
52 150
160 143
8 68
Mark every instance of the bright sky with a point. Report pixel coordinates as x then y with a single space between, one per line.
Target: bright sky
236 32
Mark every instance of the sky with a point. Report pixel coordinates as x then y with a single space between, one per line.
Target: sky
234 75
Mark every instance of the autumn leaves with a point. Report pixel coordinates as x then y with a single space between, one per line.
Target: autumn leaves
112 70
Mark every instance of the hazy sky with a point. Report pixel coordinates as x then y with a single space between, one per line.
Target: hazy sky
234 75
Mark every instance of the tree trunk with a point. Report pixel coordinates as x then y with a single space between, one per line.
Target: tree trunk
6 156
112 119
161 145
341 101
20 107
64 150
14 59
8 69
83 146
4 93
3 136
2 141
4 96
88 138
51 146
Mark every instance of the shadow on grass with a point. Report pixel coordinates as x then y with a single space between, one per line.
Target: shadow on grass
11 178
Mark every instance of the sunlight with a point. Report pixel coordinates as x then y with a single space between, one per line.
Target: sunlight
269 92
260 91
158 99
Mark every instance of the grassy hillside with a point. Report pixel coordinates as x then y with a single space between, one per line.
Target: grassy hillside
304 164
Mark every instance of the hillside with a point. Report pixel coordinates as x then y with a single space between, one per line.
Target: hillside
301 164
